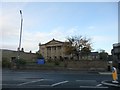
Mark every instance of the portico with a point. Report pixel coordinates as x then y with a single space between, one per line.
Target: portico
52 50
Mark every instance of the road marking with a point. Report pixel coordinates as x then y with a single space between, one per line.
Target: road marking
91 87
59 83
110 84
45 85
30 82
99 85
9 84
105 73
85 80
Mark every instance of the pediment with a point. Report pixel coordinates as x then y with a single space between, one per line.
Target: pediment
54 42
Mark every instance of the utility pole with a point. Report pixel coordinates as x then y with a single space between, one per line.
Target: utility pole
20 35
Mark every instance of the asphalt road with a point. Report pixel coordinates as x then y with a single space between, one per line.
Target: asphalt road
54 79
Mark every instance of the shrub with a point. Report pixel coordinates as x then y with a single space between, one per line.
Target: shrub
6 63
65 64
49 60
57 62
39 56
21 61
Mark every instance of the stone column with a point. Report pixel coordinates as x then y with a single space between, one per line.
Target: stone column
51 52
57 54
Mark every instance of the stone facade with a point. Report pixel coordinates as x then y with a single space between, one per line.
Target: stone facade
54 49
116 50
10 54
116 54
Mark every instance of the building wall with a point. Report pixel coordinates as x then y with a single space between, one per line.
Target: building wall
52 50
116 55
116 50
8 54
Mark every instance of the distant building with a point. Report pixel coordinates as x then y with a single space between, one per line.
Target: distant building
53 49
90 56
116 50
116 53
94 55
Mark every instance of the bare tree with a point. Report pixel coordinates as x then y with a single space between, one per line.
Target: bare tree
77 45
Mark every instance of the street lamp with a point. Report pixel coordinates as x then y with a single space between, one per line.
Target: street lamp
20 35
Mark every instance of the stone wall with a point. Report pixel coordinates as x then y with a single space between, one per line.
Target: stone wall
73 65
88 65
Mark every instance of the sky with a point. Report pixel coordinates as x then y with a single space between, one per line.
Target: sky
43 21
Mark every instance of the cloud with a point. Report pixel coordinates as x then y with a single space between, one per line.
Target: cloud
91 27
10 26
103 42
10 22
31 37
31 40
72 30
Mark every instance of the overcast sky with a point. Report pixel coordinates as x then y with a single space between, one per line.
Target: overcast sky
44 21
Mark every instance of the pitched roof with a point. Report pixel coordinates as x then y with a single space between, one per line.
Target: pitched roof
52 41
94 53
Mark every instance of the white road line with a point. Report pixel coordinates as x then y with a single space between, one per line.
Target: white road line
110 84
85 80
91 87
59 83
30 82
98 85
105 73
40 85
9 84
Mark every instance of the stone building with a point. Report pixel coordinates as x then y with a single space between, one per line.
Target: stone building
116 50
91 56
53 49
10 54
116 54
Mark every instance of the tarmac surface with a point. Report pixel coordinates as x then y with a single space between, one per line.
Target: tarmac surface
17 79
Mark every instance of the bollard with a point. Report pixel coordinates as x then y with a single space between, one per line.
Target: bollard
114 75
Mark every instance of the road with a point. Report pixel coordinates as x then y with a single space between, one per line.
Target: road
53 79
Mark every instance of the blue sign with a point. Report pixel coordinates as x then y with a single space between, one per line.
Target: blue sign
40 61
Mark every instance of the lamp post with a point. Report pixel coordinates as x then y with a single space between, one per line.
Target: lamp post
20 35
